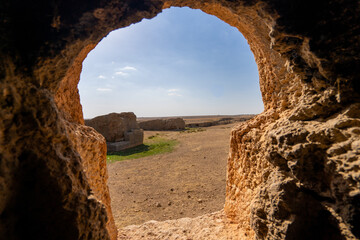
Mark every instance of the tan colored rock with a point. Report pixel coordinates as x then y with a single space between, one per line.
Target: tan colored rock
120 130
163 124
213 226
68 89
45 190
113 126
92 148
292 171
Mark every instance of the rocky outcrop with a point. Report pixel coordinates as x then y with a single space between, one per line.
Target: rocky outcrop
163 124
293 171
91 147
213 226
120 130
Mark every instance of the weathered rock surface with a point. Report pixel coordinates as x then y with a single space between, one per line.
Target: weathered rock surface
113 126
120 130
91 147
293 171
163 124
213 226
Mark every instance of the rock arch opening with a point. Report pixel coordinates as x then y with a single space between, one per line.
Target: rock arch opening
270 64
183 63
301 153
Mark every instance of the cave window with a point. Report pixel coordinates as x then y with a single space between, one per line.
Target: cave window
181 63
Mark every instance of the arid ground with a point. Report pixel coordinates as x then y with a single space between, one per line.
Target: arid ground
188 182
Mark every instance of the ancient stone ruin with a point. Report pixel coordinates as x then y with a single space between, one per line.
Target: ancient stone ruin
293 170
121 131
163 124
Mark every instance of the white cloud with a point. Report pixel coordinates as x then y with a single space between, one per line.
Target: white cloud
104 89
119 73
174 92
101 77
125 71
128 68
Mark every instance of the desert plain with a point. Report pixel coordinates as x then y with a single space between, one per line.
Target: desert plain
187 182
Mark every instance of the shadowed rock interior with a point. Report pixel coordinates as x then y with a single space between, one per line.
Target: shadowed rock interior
293 170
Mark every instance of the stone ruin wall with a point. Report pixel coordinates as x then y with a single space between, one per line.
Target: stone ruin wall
120 130
163 124
293 171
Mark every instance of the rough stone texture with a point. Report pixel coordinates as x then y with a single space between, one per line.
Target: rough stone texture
213 226
68 89
293 171
88 143
113 126
91 147
163 124
120 130
45 193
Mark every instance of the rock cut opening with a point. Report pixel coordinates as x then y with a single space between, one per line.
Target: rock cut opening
181 63
293 169
272 70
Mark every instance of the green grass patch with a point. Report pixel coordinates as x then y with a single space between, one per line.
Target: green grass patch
152 146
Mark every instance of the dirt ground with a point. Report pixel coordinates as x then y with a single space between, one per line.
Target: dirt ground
188 182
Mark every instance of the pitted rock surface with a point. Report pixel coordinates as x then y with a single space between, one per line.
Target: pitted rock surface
293 170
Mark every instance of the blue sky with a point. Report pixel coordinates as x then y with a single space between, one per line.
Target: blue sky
182 62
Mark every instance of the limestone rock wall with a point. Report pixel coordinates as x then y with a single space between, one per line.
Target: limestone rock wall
293 171
45 193
299 182
68 91
91 147
113 126
163 124
121 131
89 144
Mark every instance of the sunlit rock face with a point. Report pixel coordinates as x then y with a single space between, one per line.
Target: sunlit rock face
121 130
293 171
163 124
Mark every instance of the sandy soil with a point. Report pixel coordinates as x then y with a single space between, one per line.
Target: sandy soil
188 182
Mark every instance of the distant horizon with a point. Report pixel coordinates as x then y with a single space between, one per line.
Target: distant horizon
184 116
183 62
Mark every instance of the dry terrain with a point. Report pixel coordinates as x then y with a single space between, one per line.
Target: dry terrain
188 182
202 119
